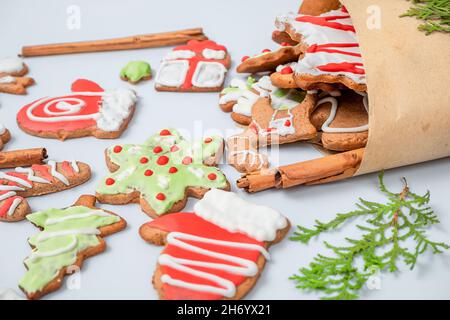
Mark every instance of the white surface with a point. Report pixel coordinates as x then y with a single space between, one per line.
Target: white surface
124 271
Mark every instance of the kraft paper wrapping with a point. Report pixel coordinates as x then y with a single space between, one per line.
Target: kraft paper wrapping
408 79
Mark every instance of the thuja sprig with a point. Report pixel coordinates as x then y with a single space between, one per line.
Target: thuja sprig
388 226
435 14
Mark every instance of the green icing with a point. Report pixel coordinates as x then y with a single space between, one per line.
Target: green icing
131 177
42 270
136 70
230 89
250 82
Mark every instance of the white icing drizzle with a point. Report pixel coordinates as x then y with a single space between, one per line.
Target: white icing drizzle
214 54
234 214
225 287
333 111
196 171
7 79
179 54
56 174
36 255
278 126
18 180
31 175
293 65
172 73
48 235
97 213
11 65
74 166
16 202
208 74
114 108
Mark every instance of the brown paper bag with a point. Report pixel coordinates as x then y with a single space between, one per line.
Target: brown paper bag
408 79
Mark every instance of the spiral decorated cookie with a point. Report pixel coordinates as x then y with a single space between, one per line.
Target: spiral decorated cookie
199 66
240 97
87 111
343 120
332 54
12 76
37 180
270 126
68 237
268 60
5 136
161 173
216 252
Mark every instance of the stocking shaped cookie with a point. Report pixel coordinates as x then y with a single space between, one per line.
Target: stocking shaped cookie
12 72
88 111
240 97
332 54
161 173
343 120
35 181
199 66
269 127
5 136
68 237
216 252
269 60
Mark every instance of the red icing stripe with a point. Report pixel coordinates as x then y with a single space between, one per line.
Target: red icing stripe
190 223
343 67
67 168
6 204
327 22
329 48
42 171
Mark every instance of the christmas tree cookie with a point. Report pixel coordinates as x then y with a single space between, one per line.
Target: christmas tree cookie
68 237
161 173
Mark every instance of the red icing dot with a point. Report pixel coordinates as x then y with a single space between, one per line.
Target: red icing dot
208 140
287 123
117 149
157 149
187 160
161 196
110 181
163 160
174 148
143 160
285 44
266 50
173 170
245 58
287 70
165 132
148 172
212 176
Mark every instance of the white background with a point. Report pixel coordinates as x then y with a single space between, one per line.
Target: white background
124 271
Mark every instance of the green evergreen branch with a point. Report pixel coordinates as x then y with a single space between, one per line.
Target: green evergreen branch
387 227
435 13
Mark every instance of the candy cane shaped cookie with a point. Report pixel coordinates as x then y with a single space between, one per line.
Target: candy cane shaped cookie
216 252
35 181
88 111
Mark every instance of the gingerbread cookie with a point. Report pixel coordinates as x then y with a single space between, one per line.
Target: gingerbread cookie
216 252
161 173
240 97
268 60
269 127
199 66
87 111
332 54
12 80
343 120
135 71
35 181
68 237
5 136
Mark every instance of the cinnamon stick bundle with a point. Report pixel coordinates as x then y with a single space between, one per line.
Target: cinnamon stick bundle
330 168
22 158
126 43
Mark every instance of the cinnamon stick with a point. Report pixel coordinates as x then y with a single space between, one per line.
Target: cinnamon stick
126 43
22 158
327 169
